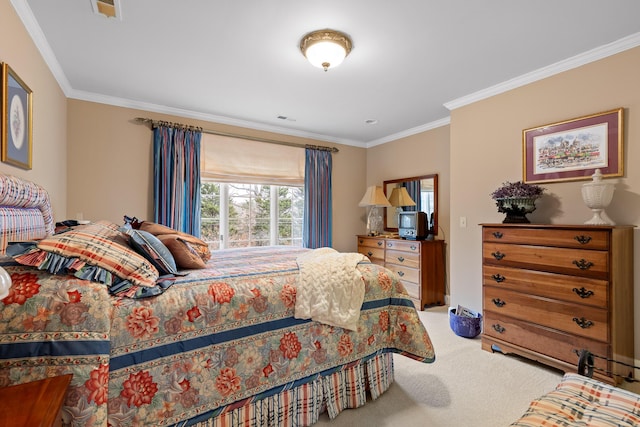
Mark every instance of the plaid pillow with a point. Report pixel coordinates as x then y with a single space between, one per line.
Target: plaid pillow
98 244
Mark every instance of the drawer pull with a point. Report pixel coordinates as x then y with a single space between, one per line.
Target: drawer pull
498 255
497 235
582 292
413 247
583 323
498 302
498 278
401 259
499 329
379 242
400 273
361 241
583 264
369 254
583 240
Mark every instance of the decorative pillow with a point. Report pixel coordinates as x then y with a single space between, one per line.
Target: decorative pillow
184 252
201 247
148 245
96 252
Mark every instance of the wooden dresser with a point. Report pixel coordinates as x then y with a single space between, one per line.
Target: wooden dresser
552 290
419 263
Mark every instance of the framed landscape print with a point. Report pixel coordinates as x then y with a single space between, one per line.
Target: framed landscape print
573 149
16 123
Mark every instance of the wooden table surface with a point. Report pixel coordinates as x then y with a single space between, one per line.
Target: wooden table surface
34 404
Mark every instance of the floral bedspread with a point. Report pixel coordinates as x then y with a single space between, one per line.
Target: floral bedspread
215 337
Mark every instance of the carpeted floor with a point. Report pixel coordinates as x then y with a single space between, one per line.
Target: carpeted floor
465 386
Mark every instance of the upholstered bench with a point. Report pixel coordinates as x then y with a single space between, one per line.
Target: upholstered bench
582 401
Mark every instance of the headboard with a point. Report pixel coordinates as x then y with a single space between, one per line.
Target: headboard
25 211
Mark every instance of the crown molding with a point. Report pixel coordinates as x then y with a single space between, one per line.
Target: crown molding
29 21
409 132
163 109
592 55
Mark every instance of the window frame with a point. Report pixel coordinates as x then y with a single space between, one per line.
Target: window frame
224 233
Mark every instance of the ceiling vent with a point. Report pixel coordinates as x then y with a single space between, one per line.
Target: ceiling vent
108 8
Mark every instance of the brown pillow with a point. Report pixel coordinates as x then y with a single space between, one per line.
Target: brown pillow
184 252
201 247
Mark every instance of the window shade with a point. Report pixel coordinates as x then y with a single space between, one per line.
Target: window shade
228 159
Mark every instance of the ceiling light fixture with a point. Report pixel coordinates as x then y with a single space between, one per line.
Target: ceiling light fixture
325 48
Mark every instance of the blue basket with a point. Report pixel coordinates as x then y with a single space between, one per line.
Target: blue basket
463 326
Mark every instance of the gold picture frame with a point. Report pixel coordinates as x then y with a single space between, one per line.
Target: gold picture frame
573 149
17 118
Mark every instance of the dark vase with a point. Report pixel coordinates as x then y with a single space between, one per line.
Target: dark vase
516 209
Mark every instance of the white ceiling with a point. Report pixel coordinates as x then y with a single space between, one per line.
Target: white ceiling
238 61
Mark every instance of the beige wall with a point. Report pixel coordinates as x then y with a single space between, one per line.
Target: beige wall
421 154
49 161
110 167
486 149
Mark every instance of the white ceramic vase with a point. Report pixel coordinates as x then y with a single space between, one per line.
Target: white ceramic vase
374 221
5 283
597 195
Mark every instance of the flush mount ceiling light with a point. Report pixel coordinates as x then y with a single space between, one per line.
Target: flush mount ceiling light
325 48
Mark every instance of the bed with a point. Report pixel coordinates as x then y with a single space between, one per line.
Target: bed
580 401
216 346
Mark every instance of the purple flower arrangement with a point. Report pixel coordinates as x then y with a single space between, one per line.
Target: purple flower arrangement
518 189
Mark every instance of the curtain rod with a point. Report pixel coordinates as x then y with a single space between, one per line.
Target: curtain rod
156 123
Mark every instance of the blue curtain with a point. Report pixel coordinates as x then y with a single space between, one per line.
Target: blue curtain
413 188
176 186
317 199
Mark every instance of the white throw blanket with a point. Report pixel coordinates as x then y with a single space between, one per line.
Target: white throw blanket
331 288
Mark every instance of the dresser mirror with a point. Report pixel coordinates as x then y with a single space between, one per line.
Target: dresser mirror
423 190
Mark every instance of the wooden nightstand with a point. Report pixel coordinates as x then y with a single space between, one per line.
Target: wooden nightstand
34 404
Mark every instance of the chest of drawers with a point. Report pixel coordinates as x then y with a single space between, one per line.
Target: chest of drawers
550 291
418 263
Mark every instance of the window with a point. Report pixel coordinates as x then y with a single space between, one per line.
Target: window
252 193
241 214
426 201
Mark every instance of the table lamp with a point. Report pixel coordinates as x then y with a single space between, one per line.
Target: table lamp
399 198
373 199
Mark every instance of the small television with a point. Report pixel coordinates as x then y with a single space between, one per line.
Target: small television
413 225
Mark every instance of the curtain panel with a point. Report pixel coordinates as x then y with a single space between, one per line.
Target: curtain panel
317 228
176 166
413 188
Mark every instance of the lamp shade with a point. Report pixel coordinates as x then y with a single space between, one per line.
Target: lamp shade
400 197
374 196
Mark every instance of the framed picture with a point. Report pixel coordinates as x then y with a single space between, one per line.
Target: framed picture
16 120
573 149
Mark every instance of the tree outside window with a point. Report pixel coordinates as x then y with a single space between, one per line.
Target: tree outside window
242 215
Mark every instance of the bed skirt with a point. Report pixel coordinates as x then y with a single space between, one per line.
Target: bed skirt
300 403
